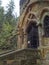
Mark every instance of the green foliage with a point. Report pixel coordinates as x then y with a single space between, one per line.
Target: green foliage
7 26
1 17
6 29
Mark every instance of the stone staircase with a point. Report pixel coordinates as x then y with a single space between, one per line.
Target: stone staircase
21 57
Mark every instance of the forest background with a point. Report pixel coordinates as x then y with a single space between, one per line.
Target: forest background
8 21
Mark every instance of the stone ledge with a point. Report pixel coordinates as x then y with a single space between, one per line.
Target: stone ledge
21 53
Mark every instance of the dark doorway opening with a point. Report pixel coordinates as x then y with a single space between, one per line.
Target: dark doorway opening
46 26
32 34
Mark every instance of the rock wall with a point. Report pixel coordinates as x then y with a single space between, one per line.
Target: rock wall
20 57
23 4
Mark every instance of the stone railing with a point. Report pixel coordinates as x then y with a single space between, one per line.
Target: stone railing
20 57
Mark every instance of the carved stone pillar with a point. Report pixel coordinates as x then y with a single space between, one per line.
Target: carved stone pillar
40 36
25 41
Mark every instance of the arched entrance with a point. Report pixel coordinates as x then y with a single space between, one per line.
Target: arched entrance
46 26
32 35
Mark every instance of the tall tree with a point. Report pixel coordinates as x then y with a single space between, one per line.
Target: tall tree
0 2
7 24
10 9
1 15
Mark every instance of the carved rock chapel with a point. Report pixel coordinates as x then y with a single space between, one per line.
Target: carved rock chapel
33 26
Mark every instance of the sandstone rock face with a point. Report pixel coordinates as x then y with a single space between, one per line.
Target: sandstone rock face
23 4
35 11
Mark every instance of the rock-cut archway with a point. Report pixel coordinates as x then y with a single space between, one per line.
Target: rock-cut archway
32 35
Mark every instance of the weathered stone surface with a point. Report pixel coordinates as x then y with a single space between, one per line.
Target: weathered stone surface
35 11
20 57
